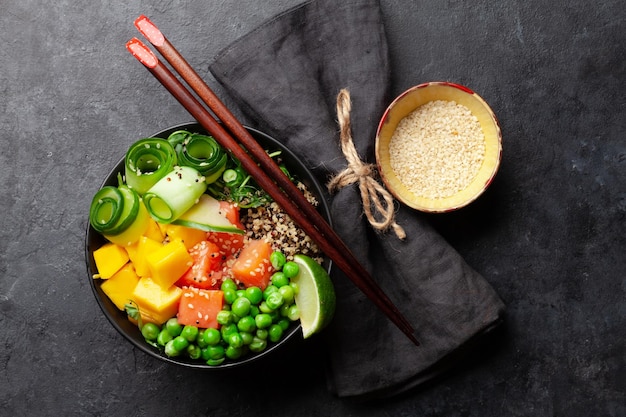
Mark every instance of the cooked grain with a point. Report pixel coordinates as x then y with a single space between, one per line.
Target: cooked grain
271 223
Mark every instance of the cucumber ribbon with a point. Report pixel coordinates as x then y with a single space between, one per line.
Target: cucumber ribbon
147 161
118 214
200 152
174 194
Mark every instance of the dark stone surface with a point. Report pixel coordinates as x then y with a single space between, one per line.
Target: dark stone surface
549 235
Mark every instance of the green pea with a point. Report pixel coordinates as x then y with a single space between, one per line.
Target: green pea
233 352
246 337
204 353
190 333
287 293
194 352
291 269
278 259
212 336
258 345
235 340
279 279
275 332
274 300
246 324
229 329
173 326
284 323
240 293
295 286
241 306
263 320
213 352
294 312
164 337
200 339
228 284
224 317
230 295
180 343
170 350
268 290
264 308
150 331
215 362
254 310
262 334
254 294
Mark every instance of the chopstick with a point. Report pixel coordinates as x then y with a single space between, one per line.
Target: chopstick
267 174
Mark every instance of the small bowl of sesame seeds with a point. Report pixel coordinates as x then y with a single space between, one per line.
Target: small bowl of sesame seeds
438 147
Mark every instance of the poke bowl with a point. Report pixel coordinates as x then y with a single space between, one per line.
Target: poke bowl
119 309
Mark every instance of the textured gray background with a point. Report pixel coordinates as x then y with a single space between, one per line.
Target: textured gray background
549 235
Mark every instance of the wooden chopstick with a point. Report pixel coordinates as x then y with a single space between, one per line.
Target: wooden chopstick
267 174
185 70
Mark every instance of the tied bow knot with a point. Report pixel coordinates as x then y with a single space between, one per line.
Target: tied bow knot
373 193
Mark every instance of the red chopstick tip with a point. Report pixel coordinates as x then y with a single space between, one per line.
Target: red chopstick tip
149 30
140 51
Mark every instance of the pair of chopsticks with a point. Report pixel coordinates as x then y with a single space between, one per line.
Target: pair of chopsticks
262 168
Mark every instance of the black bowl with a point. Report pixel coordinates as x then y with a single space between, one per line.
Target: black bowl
119 320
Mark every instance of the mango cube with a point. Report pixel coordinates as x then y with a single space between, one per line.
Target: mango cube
188 235
168 263
109 259
119 288
132 251
148 316
154 231
156 302
139 252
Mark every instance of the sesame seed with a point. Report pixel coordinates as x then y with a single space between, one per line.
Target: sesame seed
438 149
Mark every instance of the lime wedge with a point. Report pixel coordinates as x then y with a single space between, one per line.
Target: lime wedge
316 296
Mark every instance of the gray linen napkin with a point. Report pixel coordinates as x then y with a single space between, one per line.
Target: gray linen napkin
285 75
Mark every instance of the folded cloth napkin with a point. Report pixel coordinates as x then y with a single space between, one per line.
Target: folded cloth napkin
285 75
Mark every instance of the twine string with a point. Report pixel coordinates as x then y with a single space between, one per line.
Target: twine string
373 194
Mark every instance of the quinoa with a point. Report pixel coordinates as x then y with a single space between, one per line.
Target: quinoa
438 149
271 223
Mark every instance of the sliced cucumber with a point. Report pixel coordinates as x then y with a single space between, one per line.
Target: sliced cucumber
205 215
174 194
